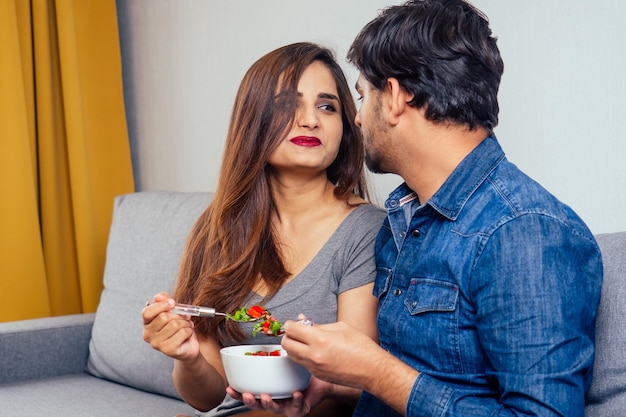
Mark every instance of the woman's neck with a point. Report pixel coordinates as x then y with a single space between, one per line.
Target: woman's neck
295 198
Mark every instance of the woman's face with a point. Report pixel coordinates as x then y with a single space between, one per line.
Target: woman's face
313 141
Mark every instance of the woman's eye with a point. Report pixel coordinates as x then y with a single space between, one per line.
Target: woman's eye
328 107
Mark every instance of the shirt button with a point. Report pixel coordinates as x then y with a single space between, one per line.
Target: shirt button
397 292
414 304
415 233
402 234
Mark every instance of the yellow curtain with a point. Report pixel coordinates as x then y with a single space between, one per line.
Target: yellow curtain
64 153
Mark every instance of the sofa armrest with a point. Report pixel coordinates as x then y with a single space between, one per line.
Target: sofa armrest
46 347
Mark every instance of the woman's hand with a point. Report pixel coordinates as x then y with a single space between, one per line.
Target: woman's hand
167 332
300 404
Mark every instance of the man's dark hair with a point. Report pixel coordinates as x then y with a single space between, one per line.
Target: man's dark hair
441 51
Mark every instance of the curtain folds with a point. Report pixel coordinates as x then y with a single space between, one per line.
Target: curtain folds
64 153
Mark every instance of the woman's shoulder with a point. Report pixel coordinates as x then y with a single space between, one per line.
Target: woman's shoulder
366 217
369 210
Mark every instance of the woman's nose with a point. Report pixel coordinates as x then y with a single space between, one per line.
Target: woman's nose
307 117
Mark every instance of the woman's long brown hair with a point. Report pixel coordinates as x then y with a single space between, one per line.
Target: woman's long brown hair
233 245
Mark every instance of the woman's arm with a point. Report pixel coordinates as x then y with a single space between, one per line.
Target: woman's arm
358 308
198 373
201 381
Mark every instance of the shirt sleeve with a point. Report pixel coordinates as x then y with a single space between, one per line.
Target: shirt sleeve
358 265
535 290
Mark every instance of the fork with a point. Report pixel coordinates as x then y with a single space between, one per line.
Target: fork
201 311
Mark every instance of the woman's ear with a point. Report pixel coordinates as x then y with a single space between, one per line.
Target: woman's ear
398 99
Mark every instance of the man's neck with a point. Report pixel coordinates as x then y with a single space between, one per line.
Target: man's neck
436 154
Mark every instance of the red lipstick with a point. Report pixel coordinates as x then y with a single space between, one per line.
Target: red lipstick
305 141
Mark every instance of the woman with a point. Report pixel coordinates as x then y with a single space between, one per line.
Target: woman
289 227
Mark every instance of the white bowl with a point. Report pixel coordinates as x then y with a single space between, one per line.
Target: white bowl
277 376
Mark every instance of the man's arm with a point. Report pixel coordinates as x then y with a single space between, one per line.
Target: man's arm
536 289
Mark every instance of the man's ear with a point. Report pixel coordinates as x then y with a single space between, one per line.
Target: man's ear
398 99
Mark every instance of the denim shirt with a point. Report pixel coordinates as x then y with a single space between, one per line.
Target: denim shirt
490 291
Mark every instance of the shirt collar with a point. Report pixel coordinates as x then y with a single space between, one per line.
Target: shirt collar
461 184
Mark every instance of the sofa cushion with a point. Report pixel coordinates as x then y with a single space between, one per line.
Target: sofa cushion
146 240
607 396
81 395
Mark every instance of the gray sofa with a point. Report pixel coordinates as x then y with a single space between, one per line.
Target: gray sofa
98 364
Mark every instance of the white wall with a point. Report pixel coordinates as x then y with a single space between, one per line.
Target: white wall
562 97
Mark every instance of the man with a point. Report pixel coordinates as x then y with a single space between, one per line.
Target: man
488 285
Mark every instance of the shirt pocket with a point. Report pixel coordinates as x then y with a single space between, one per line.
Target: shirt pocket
426 295
433 307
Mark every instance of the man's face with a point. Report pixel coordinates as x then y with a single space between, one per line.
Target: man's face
373 125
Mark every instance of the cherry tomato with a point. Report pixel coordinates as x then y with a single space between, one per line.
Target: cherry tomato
264 353
256 311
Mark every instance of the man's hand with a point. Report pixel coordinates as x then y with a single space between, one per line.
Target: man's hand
337 352
342 355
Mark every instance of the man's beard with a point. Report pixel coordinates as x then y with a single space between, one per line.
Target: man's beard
374 155
373 163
